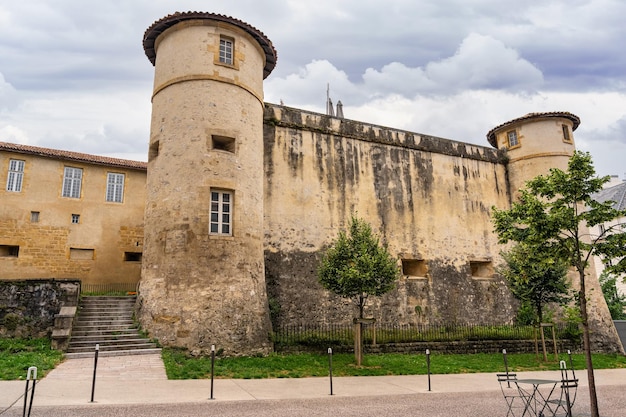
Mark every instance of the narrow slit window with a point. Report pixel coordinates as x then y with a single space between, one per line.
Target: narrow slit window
16 175
221 213
566 135
226 51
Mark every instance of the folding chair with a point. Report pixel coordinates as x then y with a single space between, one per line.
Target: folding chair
516 400
569 389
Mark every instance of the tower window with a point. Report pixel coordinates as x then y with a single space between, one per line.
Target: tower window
9 251
115 187
512 138
34 217
71 182
226 51
223 143
75 218
16 175
132 256
566 135
221 213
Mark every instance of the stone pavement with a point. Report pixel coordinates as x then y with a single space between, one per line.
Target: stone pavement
141 379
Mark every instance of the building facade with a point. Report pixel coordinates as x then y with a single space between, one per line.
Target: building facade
241 198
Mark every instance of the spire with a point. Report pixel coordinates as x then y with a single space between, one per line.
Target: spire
329 103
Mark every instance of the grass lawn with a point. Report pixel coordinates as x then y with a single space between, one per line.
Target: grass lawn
179 365
17 355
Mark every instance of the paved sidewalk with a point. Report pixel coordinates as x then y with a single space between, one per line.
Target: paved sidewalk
141 379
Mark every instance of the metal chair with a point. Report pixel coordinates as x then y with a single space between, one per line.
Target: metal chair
569 389
516 400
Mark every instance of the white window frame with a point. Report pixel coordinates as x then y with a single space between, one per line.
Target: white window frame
512 134
221 213
72 181
227 48
115 187
15 177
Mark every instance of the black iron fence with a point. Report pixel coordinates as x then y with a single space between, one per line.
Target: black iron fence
325 335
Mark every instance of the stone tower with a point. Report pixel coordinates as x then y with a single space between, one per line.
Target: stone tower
203 278
535 143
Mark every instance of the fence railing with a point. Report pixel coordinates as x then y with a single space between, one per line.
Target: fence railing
320 335
120 287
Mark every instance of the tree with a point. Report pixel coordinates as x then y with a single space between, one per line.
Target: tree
614 300
356 266
554 211
535 278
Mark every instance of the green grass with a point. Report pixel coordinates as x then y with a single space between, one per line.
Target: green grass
179 365
17 355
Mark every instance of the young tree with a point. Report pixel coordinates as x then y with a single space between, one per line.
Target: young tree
554 211
535 277
356 266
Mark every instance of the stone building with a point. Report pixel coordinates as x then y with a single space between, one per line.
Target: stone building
242 197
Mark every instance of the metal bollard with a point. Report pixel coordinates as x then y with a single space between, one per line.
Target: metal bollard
571 363
330 369
506 368
212 368
428 366
32 369
95 367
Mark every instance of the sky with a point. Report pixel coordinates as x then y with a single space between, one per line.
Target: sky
74 76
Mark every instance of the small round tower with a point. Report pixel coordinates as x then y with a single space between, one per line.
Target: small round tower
203 278
535 143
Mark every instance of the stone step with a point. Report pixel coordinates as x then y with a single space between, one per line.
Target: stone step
106 314
107 348
104 332
78 355
103 322
105 338
108 343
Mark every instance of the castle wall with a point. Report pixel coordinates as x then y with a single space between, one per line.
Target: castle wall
428 198
49 244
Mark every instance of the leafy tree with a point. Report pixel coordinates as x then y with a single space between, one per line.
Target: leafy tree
614 300
357 266
535 278
554 211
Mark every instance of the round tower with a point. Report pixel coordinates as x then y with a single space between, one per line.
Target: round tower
203 277
535 143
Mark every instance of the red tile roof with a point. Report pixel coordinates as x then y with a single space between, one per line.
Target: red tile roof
152 33
73 156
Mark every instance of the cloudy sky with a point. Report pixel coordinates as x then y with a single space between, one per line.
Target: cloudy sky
73 74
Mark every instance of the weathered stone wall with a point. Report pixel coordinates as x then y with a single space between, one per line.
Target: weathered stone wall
28 308
428 198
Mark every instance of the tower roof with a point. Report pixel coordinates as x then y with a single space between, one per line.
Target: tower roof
617 194
491 136
158 27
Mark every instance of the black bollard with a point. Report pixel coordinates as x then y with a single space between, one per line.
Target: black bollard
428 366
32 369
330 369
95 367
571 363
212 368
506 368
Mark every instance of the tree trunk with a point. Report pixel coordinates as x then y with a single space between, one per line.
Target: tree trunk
593 397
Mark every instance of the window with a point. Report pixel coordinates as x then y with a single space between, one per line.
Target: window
414 267
153 152
115 187
226 51
223 143
566 136
75 218
132 256
512 138
9 251
221 213
481 269
71 182
16 175
34 217
82 254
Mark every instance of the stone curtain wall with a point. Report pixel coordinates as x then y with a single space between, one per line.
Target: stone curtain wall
28 308
428 198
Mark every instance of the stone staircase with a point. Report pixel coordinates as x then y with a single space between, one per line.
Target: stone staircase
108 322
